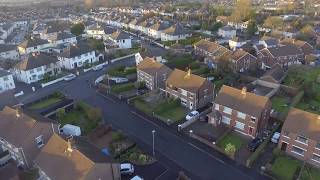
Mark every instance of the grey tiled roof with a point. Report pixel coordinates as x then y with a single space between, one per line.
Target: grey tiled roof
5 48
4 73
35 61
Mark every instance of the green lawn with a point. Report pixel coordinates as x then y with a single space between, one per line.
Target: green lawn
45 103
183 42
233 139
119 88
171 110
279 104
310 106
143 106
180 62
122 71
285 167
310 173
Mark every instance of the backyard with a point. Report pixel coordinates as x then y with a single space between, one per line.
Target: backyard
83 115
285 168
122 71
181 62
183 42
280 104
46 102
163 109
307 79
310 173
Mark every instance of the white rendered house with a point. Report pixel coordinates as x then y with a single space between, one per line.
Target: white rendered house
6 81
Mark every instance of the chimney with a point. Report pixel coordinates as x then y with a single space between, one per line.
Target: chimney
18 112
244 91
69 147
188 74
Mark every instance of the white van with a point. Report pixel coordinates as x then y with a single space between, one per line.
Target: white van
137 178
71 130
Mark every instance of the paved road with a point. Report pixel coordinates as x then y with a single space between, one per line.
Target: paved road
176 152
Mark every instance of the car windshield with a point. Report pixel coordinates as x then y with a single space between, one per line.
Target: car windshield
191 114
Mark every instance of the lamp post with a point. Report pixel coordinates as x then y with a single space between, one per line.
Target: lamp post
153 132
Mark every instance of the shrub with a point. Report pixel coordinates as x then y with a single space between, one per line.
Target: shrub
230 149
139 85
94 114
117 136
61 113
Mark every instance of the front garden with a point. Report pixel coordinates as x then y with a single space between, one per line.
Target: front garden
122 71
285 167
83 115
48 101
230 144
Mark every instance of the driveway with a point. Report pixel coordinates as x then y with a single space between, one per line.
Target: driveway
153 171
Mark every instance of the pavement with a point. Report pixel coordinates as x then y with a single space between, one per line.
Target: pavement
173 150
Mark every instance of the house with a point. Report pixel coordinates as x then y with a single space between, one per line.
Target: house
59 160
236 43
121 40
245 112
24 134
95 31
6 81
153 73
227 32
306 48
174 32
240 60
63 38
33 45
210 51
34 67
269 42
77 56
9 52
284 55
155 30
194 91
300 136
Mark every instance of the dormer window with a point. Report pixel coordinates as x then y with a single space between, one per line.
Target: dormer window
39 141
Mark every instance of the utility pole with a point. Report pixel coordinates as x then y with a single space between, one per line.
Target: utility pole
153 152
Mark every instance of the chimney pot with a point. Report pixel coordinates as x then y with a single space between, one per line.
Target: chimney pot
244 91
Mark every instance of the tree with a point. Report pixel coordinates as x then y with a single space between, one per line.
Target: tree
215 27
273 22
252 28
77 29
243 11
94 114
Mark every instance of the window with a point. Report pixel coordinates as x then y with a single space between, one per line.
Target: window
318 145
286 133
241 115
184 92
205 91
253 119
31 71
39 141
39 69
226 120
316 157
302 139
227 110
6 78
297 150
239 125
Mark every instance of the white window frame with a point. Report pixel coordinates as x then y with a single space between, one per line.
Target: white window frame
241 115
39 140
314 154
226 120
293 146
217 107
227 110
240 123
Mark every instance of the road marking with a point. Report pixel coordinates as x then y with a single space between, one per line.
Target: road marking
145 119
164 172
194 146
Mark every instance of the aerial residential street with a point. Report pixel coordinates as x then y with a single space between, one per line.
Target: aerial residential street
172 150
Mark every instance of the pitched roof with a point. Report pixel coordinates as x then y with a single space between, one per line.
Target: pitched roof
33 42
283 50
159 26
119 35
150 66
5 48
211 47
290 41
275 74
4 73
175 30
22 130
76 50
184 80
303 123
238 54
60 163
248 103
35 61
64 35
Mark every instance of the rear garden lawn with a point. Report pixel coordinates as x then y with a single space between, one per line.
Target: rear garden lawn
52 99
183 42
163 109
180 62
122 71
285 167
83 115
120 88
280 104
232 139
310 173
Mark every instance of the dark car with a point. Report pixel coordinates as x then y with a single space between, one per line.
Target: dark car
254 144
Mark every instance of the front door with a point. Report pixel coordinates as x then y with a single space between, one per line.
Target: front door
250 130
284 146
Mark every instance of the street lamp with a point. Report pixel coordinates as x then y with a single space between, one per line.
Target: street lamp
153 131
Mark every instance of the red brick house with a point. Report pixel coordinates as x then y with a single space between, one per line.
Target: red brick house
193 91
241 60
245 112
306 48
153 73
285 55
300 136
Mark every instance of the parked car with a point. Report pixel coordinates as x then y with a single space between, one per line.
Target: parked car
275 138
69 77
97 68
126 168
254 144
192 115
265 134
136 178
